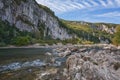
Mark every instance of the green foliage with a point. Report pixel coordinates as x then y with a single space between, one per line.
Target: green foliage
55 41
49 42
21 41
116 39
8 34
41 27
2 44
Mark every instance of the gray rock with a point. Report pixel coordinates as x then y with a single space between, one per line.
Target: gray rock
95 65
28 16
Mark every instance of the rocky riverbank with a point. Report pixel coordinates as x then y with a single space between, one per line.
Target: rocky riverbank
91 62
60 45
88 62
70 62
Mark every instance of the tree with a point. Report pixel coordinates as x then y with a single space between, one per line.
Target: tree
116 39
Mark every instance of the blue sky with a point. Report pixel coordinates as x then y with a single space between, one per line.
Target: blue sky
85 10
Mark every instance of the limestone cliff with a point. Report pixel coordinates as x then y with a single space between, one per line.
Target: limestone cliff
29 16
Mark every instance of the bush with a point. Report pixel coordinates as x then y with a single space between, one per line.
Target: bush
21 41
2 44
49 42
116 39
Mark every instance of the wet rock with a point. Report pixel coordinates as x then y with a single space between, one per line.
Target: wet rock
37 63
82 50
18 65
118 47
74 49
66 53
12 66
57 63
48 54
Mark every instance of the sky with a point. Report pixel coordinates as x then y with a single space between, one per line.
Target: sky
107 11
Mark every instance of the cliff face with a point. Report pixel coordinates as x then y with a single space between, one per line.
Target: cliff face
27 15
102 27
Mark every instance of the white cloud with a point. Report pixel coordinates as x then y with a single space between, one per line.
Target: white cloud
61 6
94 3
110 2
109 14
86 4
117 2
103 3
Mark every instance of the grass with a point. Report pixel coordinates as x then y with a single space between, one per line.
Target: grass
77 26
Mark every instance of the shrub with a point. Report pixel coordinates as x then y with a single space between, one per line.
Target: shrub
2 44
21 41
116 39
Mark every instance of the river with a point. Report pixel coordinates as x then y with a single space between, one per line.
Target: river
23 63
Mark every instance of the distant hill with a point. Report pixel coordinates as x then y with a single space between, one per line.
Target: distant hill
95 32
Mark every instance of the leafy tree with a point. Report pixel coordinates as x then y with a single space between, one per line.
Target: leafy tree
116 39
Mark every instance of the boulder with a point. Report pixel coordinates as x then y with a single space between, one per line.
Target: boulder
64 54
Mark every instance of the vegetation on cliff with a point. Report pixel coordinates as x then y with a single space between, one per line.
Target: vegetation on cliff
12 35
116 39
85 32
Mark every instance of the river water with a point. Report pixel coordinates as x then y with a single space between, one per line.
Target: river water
22 54
24 63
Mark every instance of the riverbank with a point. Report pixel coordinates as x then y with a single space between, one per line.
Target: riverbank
62 62
59 45
32 46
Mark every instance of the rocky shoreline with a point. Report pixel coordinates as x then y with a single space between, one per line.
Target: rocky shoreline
73 62
60 45
89 63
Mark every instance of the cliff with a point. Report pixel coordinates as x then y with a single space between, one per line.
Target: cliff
27 18
27 15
